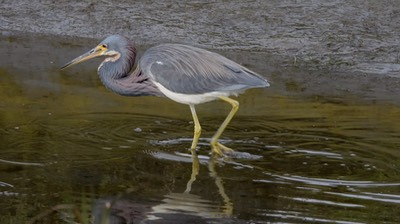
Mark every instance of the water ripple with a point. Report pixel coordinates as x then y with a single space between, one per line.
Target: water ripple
325 202
316 153
184 203
4 184
370 196
330 182
284 215
21 163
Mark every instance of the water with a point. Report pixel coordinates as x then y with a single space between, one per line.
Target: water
71 151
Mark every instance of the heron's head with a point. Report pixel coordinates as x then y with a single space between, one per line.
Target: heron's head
112 48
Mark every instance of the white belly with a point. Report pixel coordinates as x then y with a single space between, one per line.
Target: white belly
191 99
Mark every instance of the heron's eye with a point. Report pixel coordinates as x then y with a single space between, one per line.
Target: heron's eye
104 46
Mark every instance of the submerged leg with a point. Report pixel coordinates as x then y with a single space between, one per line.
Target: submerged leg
197 128
217 147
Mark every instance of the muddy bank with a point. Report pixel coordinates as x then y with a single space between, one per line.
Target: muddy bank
352 35
309 48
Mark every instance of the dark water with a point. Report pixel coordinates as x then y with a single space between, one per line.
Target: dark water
73 152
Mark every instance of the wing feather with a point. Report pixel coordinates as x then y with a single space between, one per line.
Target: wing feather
191 70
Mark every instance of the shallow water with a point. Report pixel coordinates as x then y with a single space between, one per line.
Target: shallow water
71 150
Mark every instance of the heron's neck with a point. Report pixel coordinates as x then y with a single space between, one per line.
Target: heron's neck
117 77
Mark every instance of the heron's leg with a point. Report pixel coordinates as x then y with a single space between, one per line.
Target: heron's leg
216 146
228 205
197 128
195 158
195 171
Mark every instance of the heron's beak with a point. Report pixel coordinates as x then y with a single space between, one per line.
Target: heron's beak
95 52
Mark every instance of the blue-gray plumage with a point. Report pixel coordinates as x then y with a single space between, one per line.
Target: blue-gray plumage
183 73
190 70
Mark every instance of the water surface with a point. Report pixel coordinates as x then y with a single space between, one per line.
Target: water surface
73 151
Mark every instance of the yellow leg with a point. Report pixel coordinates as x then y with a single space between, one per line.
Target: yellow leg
195 163
228 205
197 128
217 147
195 171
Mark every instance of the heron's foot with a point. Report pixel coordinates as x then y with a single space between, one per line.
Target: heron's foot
221 150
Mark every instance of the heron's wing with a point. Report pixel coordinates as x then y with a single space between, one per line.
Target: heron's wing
191 70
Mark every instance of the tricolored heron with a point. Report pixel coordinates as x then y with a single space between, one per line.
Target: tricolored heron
183 73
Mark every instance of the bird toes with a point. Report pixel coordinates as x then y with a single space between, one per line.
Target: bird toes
221 150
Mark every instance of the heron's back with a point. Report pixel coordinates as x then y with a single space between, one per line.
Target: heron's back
189 70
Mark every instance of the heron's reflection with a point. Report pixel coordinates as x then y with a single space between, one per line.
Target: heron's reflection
228 206
194 204
195 171
178 207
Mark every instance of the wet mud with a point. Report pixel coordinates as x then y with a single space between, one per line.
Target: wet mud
351 35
